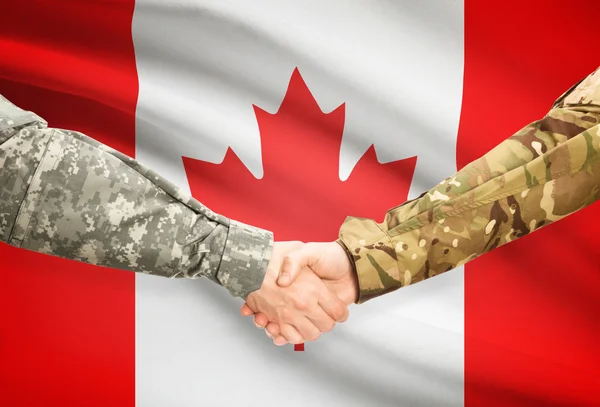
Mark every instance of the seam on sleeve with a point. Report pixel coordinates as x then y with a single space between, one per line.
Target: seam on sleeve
464 208
17 240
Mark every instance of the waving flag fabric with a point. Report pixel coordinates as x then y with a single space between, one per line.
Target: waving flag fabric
291 116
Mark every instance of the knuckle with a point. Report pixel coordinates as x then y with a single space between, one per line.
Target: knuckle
328 326
287 261
287 264
301 303
338 311
251 301
346 316
284 314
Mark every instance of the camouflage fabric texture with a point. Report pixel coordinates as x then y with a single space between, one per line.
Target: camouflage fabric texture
65 194
544 172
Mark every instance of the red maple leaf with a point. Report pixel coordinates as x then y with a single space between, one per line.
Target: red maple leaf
300 196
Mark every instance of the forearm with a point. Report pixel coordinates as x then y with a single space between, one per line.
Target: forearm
543 173
67 195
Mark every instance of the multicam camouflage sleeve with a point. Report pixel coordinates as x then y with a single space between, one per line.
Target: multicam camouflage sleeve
64 194
544 172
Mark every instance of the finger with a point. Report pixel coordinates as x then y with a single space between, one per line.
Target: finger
290 334
246 311
261 319
333 306
292 265
280 341
321 320
272 329
306 329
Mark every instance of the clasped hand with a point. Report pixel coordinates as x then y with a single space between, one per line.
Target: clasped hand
306 291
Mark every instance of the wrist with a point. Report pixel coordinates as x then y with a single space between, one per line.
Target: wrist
352 291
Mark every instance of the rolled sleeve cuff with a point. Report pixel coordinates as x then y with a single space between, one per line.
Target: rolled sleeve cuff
245 259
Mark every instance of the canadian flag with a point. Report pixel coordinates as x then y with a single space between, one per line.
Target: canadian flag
291 115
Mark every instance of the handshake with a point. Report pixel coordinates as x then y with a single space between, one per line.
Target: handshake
306 290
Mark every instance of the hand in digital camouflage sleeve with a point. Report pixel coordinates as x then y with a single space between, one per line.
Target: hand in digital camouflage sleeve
65 194
305 262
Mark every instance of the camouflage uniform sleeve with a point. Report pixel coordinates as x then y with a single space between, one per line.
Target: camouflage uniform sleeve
544 172
65 194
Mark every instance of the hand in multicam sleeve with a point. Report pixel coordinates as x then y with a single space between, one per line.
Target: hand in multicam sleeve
329 262
300 311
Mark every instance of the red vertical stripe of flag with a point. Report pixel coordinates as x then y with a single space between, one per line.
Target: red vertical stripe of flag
67 330
531 320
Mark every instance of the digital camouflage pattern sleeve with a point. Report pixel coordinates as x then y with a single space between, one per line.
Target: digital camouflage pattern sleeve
65 194
544 172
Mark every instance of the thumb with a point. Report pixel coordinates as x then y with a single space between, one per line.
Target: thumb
291 266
